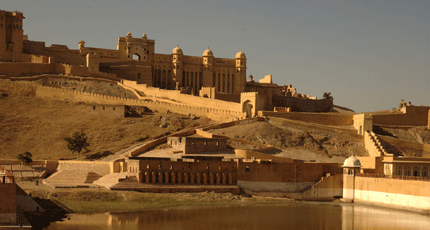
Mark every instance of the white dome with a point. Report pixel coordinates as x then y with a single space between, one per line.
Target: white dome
352 162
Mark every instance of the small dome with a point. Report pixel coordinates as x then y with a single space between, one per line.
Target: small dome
128 34
352 162
208 52
240 55
177 50
144 36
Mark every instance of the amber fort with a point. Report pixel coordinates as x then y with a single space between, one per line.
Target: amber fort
392 172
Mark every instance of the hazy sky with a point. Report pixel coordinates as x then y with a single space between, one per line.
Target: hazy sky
369 54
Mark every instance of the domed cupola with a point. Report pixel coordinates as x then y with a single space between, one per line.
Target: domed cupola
177 50
351 162
241 55
207 52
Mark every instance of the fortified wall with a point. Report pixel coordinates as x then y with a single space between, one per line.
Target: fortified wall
210 110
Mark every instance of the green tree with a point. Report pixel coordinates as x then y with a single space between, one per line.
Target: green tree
77 142
327 96
25 158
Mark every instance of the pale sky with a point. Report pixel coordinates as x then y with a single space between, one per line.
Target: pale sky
369 54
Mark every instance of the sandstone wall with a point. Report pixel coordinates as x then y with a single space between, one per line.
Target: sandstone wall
413 119
319 118
302 105
8 203
420 150
212 112
25 68
407 194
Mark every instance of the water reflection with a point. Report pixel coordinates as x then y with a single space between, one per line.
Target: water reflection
290 216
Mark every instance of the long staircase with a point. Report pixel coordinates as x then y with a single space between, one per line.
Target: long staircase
373 145
110 180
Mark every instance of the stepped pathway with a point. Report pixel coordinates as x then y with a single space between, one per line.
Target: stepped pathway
110 180
374 146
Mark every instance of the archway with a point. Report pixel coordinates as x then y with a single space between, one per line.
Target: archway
136 57
247 108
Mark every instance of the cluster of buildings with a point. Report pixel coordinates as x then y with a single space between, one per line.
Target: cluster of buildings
198 159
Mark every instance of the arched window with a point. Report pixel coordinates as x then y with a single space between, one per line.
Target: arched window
388 170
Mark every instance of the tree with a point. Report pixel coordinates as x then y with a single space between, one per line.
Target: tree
327 96
77 142
25 158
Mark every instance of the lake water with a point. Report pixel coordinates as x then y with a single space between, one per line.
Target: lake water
299 215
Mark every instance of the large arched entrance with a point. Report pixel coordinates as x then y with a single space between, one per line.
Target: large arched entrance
247 108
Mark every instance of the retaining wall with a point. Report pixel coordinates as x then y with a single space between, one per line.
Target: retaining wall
25 88
407 194
319 118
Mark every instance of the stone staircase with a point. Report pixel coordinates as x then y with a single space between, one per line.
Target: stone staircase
111 180
373 145
73 176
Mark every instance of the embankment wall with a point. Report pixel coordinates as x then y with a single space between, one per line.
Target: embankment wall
407 194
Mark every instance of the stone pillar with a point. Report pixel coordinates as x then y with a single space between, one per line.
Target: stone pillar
218 178
154 177
197 84
217 83
166 177
211 178
160 177
193 176
147 177
222 82
205 178
186 181
224 178
140 177
179 177
231 83
230 178
199 178
173 178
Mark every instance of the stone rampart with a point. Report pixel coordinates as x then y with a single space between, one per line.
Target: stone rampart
64 94
318 118
25 68
408 119
302 105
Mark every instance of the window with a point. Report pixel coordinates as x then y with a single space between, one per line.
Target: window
247 169
399 171
388 170
407 171
147 166
94 108
424 173
416 171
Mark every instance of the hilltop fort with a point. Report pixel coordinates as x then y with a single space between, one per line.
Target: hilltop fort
180 123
